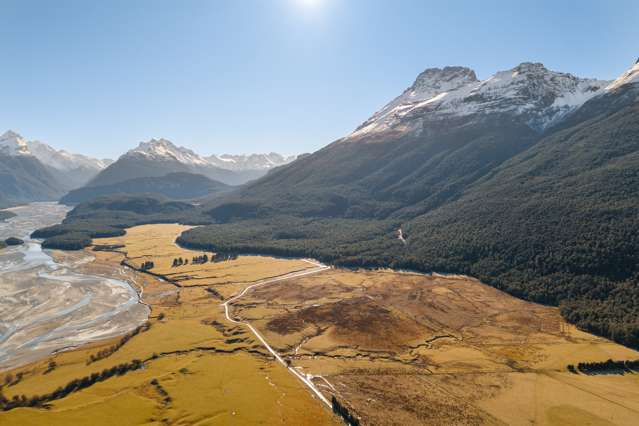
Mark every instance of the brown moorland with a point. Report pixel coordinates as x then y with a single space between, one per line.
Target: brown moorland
406 348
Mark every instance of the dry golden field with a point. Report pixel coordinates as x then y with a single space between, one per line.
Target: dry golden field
213 372
395 348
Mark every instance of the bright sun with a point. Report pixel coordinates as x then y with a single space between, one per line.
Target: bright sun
309 3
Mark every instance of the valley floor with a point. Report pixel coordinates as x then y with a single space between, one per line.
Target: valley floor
394 348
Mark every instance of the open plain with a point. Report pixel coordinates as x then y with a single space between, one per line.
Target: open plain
395 348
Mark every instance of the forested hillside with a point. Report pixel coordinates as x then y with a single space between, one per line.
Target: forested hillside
177 186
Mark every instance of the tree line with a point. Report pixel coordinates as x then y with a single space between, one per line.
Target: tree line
41 401
105 353
11 380
605 367
344 413
148 265
200 260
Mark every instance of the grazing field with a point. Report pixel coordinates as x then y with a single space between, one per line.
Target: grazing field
393 348
198 368
156 243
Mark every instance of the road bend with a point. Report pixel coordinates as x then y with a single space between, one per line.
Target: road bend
319 267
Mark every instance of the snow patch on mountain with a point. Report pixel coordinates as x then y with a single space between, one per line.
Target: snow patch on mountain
250 161
429 86
12 144
162 149
629 77
530 91
64 160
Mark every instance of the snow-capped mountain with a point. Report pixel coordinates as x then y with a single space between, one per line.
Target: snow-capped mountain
529 91
429 87
69 170
445 134
13 144
158 157
250 161
64 160
23 178
162 149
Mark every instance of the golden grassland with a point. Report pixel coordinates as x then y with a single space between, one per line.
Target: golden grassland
156 243
395 348
213 372
412 349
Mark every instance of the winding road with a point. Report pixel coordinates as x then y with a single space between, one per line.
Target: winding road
319 267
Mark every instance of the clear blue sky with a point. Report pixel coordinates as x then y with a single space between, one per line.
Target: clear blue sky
269 75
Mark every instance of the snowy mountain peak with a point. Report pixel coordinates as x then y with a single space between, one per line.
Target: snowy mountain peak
531 92
629 77
531 67
11 143
430 86
163 149
250 161
10 134
436 80
64 160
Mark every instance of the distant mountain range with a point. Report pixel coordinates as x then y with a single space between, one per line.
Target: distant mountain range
34 171
250 161
158 157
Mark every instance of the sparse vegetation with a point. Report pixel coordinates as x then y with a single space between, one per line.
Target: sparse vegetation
73 386
52 366
147 265
215 293
11 380
105 353
224 257
606 367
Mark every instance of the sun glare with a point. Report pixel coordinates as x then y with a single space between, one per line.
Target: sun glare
309 3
